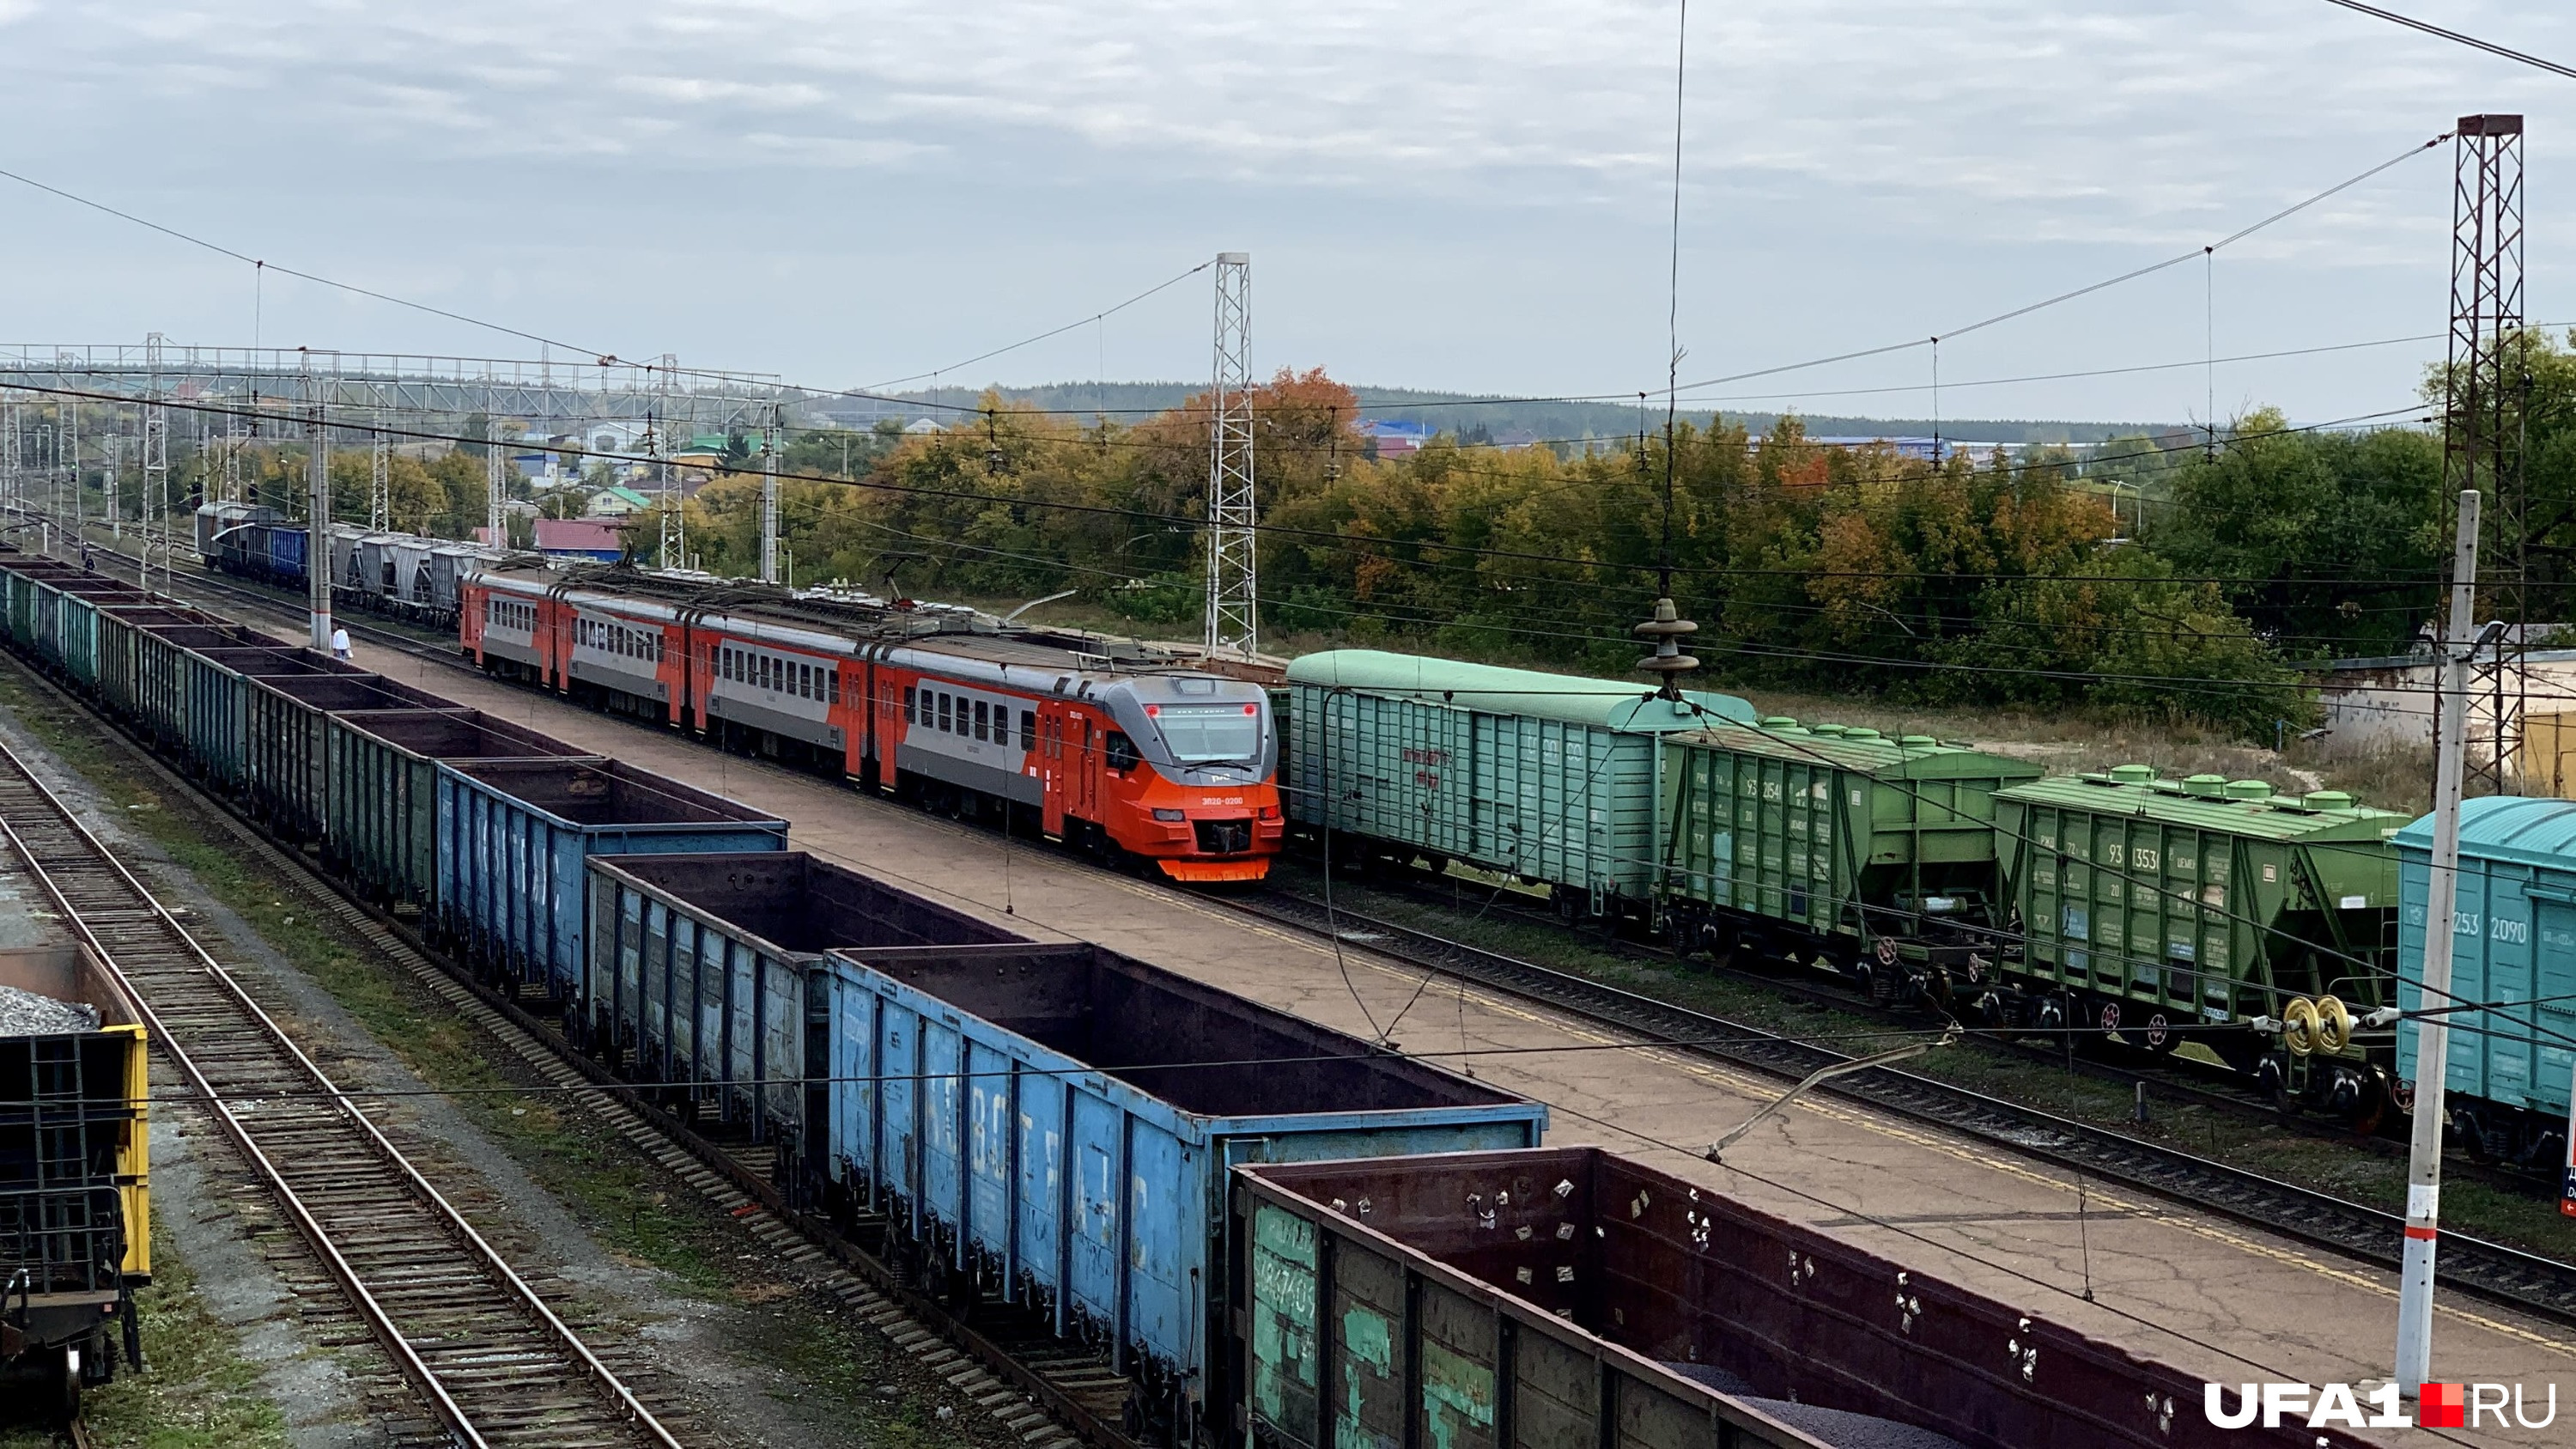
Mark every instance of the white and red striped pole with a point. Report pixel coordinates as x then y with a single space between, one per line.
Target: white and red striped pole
2432 1027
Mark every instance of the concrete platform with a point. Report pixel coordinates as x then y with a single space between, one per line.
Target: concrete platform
2215 1299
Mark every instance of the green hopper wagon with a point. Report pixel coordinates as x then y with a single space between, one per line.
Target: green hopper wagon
2147 904
1872 856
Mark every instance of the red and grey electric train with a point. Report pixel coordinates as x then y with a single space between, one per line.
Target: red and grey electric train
1114 748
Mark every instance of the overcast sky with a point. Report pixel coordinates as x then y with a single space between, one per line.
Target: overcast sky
1434 194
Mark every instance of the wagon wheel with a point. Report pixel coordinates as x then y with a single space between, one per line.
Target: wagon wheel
61 1395
1721 939
2051 1014
2372 1109
2159 1035
2271 1076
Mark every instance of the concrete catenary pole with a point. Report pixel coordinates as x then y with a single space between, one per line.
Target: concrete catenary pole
2433 1033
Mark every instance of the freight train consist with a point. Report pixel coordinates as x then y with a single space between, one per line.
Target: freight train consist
1269 1231
402 576
1116 748
2201 909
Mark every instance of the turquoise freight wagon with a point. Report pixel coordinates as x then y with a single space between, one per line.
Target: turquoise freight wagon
1552 778
2513 941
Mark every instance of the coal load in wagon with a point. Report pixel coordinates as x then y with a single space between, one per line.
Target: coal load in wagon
25 1013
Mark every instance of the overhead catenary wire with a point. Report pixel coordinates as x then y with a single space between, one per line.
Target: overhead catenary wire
2458 38
261 267
2088 289
1096 317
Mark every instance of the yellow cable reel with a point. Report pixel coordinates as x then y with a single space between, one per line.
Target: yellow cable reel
2334 1026
2299 1026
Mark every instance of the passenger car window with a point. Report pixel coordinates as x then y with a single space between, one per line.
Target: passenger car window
911 696
983 719
1028 729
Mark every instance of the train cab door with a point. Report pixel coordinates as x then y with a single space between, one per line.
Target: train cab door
1052 780
1082 759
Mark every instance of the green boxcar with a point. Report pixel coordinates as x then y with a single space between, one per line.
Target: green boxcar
214 724
2170 901
66 618
161 655
120 677
286 777
382 831
1548 777
76 651
29 578
22 604
1836 842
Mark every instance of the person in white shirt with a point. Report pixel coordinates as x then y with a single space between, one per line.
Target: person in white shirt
339 643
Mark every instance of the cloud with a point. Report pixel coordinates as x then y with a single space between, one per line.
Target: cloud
1455 192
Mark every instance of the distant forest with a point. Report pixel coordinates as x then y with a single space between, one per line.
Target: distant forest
1467 416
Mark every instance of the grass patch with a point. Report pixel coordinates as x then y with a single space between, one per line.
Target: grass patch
2015 1073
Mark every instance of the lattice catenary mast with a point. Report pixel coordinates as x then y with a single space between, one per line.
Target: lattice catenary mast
493 474
2488 378
1232 579
12 487
675 533
155 501
769 434
317 518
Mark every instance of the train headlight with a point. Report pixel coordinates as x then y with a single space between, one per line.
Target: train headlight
1171 817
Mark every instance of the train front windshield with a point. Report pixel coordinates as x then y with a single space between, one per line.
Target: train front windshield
1207 734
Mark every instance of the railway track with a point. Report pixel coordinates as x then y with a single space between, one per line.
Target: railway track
488 1359
2173 1081
2544 1287
1048 1394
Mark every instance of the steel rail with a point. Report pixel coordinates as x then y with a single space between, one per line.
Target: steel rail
2170 1079
1055 1376
2542 1286
380 1322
